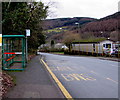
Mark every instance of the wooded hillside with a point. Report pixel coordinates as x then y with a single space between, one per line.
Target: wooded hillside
88 27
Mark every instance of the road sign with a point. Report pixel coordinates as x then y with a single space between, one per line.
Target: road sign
0 39
27 32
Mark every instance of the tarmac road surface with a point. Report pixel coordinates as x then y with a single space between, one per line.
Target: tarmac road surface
85 77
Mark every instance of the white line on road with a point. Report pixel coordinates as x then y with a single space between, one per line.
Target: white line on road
112 80
93 72
114 65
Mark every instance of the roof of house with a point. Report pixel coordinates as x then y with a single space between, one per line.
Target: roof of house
96 40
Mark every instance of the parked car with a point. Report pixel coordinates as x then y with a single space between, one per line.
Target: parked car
117 52
110 51
64 47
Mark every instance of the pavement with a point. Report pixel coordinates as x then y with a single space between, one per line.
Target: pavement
34 82
110 58
85 77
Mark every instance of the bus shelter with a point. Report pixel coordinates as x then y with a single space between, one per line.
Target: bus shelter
13 52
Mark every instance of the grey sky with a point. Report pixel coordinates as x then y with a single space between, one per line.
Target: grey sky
82 8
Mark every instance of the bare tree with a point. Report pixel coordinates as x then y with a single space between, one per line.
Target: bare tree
115 35
70 37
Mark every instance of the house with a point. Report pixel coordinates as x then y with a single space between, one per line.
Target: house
60 46
97 47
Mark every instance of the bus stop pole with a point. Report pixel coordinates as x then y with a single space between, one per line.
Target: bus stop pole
27 34
26 50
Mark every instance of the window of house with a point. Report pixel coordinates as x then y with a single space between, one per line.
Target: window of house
108 45
103 45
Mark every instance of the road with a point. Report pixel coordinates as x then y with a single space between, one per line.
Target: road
85 77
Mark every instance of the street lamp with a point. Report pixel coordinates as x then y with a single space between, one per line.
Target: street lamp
78 26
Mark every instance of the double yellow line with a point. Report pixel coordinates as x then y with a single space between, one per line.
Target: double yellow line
62 88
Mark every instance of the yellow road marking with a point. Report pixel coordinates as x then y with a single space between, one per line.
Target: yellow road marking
112 80
81 77
69 68
75 76
67 77
0 39
78 77
62 88
61 68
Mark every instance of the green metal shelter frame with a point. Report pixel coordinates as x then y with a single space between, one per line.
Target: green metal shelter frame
13 47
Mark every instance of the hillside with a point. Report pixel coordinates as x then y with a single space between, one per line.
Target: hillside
106 24
56 28
60 22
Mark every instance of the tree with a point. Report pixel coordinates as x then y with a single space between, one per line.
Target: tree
18 16
52 43
14 16
115 35
70 37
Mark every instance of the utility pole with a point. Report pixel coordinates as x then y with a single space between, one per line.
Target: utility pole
78 26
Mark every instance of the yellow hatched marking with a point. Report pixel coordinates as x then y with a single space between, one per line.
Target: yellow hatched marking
61 68
81 76
75 76
67 77
78 77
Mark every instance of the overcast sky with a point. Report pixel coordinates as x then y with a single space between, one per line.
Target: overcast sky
82 8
